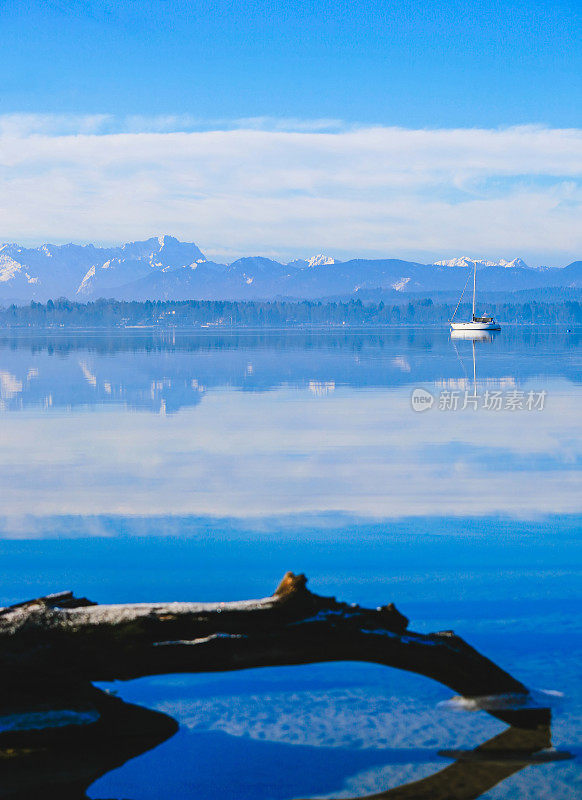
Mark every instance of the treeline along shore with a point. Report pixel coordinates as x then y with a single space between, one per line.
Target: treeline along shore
207 313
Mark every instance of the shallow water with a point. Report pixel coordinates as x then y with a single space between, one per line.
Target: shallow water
161 466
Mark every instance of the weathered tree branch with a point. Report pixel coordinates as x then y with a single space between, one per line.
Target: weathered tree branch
63 638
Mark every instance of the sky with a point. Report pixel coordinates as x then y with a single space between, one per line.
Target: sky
284 128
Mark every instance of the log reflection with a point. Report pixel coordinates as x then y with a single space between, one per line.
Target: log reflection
62 763
479 770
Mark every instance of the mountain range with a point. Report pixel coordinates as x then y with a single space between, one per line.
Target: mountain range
163 268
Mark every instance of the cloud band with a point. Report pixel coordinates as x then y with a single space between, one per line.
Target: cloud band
283 188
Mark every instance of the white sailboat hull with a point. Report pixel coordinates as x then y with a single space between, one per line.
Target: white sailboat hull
473 336
475 326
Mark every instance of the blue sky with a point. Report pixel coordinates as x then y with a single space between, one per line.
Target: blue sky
418 130
446 63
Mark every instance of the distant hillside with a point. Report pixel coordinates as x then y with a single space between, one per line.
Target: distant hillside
163 268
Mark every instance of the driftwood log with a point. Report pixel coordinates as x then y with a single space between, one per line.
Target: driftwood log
63 641
52 648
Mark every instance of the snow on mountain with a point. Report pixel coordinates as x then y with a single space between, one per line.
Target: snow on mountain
85 270
400 285
162 267
255 276
136 260
10 269
43 272
519 263
250 278
320 260
465 261
315 261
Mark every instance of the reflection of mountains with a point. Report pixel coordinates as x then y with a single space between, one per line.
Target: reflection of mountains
169 371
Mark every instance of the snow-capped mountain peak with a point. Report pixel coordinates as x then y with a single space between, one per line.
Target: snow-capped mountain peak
466 261
162 267
135 260
9 268
320 260
516 262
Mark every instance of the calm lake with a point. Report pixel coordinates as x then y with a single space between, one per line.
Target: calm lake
147 465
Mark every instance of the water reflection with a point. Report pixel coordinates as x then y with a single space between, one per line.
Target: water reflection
270 424
475 336
466 384
65 762
62 763
166 372
313 435
481 769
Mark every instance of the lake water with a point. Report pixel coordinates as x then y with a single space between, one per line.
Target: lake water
143 465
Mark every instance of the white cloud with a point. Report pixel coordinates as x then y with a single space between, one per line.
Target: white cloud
287 186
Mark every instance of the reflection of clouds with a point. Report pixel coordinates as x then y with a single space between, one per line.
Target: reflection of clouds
549 781
342 717
245 455
378 779
408 729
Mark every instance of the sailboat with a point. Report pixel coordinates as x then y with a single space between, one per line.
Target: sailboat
484 323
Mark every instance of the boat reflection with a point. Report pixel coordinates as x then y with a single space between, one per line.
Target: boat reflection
475 336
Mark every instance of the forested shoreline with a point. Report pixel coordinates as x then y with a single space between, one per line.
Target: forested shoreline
222 313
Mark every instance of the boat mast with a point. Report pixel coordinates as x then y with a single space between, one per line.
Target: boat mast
474 287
